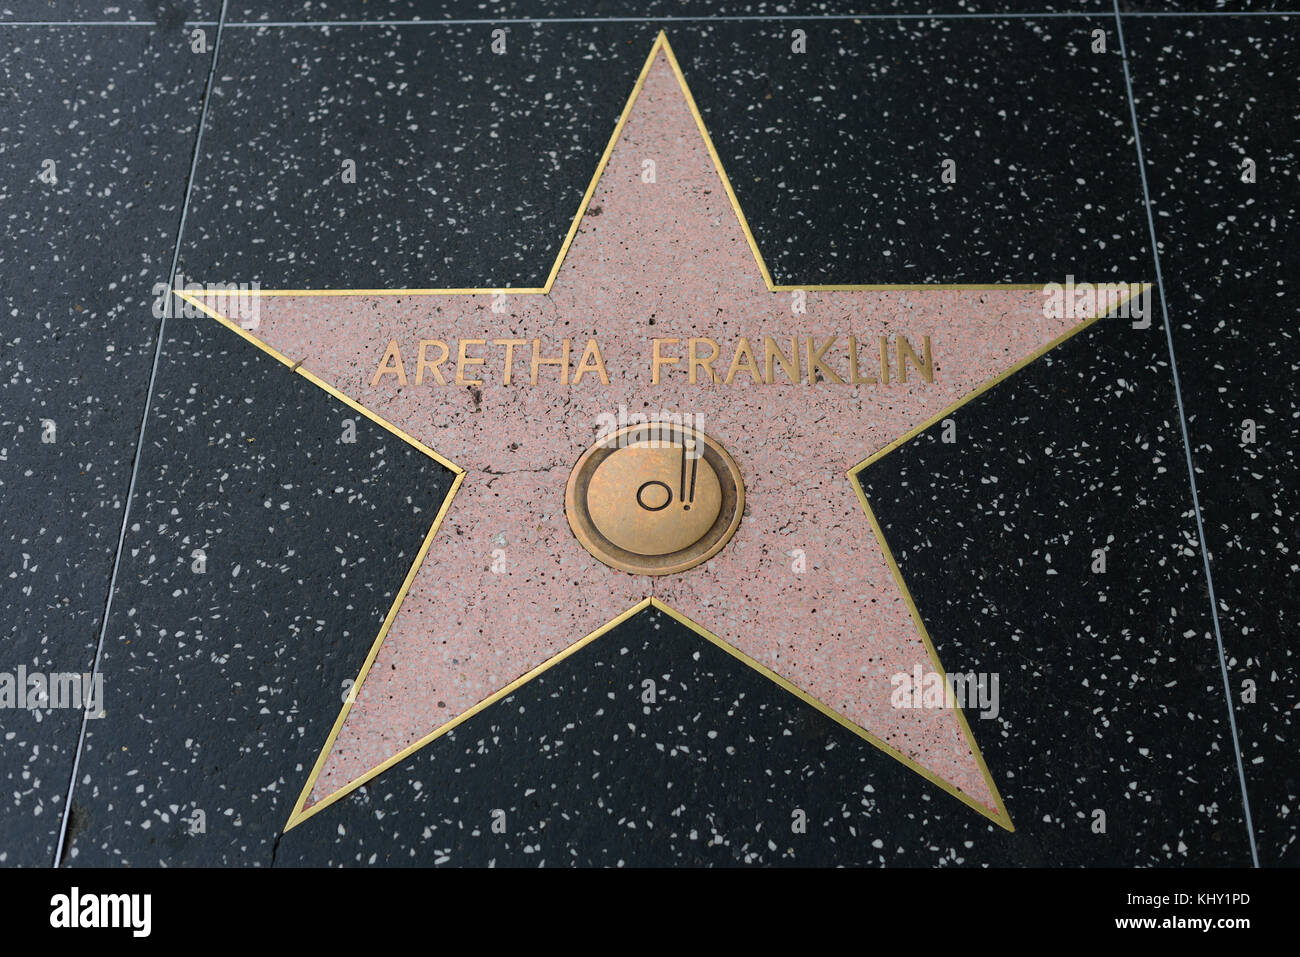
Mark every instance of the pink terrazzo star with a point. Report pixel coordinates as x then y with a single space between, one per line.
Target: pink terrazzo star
505 586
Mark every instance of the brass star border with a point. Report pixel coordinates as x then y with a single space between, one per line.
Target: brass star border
300 814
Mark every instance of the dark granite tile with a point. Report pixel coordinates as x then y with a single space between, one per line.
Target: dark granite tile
1210 93
836 154
713 772
471 165
117 113
222 684
164 14
1205 6
333 10
1110 693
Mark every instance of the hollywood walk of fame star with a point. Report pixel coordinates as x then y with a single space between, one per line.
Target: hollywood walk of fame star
506 590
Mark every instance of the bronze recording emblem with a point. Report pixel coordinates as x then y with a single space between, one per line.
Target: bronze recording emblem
655 499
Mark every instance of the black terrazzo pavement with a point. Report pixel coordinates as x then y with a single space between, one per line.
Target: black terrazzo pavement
836 154
334 10
117 111
1207 96
1110 694
1193 7
835 159
469 166
222 686
165 14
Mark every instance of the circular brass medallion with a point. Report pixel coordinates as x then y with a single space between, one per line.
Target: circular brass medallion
655 499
